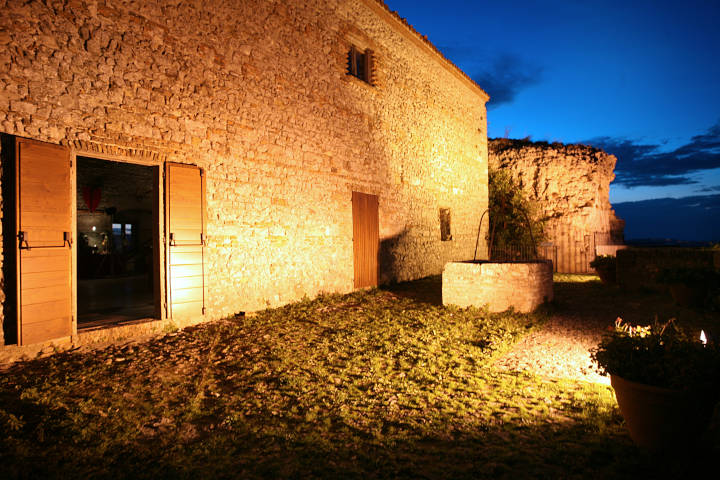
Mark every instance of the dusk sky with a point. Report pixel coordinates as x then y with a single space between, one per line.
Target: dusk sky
640 79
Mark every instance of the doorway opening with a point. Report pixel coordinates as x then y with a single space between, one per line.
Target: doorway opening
117 232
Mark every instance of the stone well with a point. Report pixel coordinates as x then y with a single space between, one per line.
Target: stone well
499 285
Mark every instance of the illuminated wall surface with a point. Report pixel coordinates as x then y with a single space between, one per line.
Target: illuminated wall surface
256 93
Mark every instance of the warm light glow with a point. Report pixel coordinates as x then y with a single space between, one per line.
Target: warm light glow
93 229
603 380
703 338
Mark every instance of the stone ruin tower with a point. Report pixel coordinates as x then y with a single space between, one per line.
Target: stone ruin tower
570 184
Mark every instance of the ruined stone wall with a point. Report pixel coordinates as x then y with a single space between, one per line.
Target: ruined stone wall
571 185
256 93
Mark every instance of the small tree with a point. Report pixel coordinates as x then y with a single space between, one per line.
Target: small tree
514 219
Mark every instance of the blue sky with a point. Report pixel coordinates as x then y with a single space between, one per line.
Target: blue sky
640 79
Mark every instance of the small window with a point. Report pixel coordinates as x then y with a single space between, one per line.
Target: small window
360 64
445 234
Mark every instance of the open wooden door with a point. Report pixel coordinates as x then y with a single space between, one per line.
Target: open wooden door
44 247
185 207
366 239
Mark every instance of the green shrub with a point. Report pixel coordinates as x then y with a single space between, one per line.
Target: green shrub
604 262
664 356
514 218
605 266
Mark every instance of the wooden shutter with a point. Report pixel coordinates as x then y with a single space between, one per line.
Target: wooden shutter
44 248
366 239
352 61
185 203
369 60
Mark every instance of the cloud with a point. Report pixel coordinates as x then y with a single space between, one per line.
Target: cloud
505 77
646 165
711 188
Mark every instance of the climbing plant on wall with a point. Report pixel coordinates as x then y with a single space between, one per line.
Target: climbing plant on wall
515 220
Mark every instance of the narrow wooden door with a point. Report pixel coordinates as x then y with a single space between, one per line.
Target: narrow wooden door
44 242
366 239
185 194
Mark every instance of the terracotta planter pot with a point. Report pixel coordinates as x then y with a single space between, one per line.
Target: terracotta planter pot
661 419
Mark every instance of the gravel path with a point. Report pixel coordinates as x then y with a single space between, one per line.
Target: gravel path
561 349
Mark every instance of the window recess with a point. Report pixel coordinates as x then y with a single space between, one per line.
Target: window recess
445 233
361 64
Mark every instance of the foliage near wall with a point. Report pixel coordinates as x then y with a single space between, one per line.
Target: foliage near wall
515 220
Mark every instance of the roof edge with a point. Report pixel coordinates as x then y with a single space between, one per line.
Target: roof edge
402 26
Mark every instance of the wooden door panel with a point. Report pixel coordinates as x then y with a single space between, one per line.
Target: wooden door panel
366 239
186 236
44 258
188 295
51 309
187 270
188 281
185 193
49 328
186 256
55 263
45 205
43 219
187 310
44 279
33 296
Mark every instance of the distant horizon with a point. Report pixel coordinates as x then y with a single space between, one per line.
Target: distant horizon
668 198
687 219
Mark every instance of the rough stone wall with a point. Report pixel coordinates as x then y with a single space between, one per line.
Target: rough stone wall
256 93
499 286
571 184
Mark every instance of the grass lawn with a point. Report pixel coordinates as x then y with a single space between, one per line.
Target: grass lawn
377 384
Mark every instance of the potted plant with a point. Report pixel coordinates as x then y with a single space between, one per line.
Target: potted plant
666 383
689 286
605 266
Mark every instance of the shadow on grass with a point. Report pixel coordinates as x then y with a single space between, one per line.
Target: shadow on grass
122 438
501 451
425 291
597 301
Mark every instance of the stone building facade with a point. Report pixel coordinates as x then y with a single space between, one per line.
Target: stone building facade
256 95
571 185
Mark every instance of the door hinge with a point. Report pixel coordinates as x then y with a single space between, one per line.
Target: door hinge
23 238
